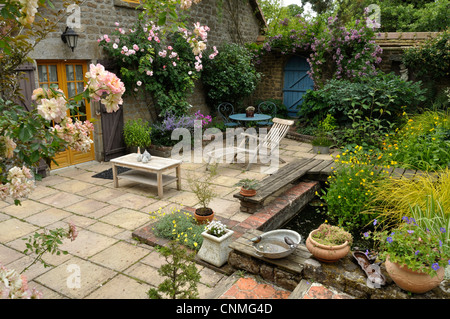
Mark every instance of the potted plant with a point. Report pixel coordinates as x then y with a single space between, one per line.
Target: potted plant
248 187
204 192
136 134
215 246
250 111
329 243
415 257
321 142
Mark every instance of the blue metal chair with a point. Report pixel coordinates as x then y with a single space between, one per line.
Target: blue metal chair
225 109
267 107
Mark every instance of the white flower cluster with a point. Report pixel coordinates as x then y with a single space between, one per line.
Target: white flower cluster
216 228
20 183
28 11
102 82
15 286
75 134
186 4
51 104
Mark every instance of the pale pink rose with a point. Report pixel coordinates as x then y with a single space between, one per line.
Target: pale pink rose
38 94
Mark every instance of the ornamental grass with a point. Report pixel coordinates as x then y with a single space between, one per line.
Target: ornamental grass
394 197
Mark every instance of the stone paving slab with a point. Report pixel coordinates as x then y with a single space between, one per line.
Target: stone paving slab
105 216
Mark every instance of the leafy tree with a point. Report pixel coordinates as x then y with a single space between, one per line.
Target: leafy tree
321 6
231 76
275 14
181 272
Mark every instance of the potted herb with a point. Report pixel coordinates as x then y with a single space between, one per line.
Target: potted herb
329 243
248 187
250 111
136 134
216 240
321 142
202 188
415 257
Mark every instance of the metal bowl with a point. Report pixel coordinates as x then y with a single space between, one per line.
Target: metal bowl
272 244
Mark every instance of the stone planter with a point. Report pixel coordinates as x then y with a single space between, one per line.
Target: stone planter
326 253
321 149
413 281
160 151
214 249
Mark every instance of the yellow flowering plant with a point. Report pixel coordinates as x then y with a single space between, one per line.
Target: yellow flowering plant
350 188
423 143
180 225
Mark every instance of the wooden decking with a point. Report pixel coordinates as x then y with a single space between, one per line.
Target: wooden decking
288 174
292 263
306 168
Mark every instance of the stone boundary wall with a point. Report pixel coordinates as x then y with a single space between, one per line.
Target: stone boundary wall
393 44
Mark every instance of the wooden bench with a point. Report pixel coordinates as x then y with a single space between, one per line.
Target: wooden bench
284 176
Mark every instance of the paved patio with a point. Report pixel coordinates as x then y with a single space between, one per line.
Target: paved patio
112 264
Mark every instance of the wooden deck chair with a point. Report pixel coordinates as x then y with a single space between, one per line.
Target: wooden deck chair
269 141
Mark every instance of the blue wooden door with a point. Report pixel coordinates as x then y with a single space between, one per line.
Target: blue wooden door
296 82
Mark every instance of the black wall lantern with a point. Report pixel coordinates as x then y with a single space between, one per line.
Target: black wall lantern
70 37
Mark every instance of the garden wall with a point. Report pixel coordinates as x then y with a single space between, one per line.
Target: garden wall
392 43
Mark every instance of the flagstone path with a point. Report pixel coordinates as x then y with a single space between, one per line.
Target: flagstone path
110 263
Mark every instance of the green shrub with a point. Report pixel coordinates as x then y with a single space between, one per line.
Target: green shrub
136 133
350 189
230 76
365 110
180 270
423 143
382 96
181 226
432 58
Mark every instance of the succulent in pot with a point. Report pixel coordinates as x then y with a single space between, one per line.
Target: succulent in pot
248 187
329 243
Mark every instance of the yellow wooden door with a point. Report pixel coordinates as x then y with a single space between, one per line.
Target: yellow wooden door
69 76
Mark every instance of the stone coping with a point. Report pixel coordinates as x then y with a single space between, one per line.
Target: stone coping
273 215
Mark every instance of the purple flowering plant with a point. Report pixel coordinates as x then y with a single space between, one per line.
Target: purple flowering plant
161 132
412 246
345 52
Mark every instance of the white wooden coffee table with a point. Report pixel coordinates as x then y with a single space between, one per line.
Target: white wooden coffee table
150 173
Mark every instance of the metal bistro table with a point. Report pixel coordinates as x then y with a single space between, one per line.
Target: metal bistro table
242 117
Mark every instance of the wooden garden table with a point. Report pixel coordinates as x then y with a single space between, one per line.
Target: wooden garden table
150 173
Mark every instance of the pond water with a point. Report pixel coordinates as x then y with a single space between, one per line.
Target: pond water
310 218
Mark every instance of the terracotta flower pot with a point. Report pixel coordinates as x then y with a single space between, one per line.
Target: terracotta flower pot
413 281
247 192
326 253
203 215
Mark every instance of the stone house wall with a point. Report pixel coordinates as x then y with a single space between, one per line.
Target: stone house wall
238 21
